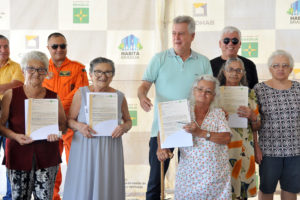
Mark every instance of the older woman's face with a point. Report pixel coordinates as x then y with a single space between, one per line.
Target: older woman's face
280 68
102 75
204 92
35 72
234 73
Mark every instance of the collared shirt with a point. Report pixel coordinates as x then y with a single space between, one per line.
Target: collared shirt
65 80
9 72
173 77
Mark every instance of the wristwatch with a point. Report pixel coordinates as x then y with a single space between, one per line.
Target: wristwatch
207 135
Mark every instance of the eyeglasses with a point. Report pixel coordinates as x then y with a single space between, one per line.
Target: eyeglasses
277 66
238 70
32 70
206 92
55 46
99 73
234 41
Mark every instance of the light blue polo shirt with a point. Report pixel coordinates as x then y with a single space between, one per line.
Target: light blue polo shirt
173 78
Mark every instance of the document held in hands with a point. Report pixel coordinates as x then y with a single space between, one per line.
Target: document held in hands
102 112
232 97
173 115
41 118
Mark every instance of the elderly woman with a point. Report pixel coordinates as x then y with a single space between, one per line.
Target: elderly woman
203 171
278 151
241 148
32 165
96 164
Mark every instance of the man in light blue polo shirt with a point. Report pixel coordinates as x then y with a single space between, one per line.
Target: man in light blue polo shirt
173 72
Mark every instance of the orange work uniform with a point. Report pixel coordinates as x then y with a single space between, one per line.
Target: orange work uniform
65 80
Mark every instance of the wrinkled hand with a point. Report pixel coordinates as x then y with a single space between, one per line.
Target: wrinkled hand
244 111
119 131
52 138
145 103
191 128
86 130
163 154
258 154
22 139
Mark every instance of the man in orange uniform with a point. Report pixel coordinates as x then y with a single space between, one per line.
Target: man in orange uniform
65 77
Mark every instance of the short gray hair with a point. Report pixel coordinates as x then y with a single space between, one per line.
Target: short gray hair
100 60
231 29
215 102
280 52
221 76
34 55
188 20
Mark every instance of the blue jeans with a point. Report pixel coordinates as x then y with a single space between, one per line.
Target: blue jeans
153 187
8 190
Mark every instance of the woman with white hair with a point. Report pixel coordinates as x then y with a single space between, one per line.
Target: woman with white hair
32 165
278 149
203 171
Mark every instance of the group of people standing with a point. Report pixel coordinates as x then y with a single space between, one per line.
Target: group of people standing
219 165
221 162
33 166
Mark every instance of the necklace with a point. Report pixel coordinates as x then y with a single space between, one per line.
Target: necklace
202 120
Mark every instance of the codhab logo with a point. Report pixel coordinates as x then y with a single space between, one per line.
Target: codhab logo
130 47
200 9
200 13
250 47
31 41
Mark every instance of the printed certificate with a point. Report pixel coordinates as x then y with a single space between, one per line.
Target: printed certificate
41 118
102 112
232 97
173 115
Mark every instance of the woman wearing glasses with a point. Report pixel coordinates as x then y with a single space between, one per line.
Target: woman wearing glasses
96 164
278 149
241 149
32 165
203 171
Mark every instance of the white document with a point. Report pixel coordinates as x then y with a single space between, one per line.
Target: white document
173 115
232 97
41 118
102 112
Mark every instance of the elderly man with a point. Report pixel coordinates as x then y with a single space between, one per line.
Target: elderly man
230 44
173 72
65 77
11 76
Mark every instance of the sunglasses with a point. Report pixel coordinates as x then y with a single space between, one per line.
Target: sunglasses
233 40
55 46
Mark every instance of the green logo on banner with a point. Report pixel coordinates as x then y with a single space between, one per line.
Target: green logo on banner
250 49
133 116
81 15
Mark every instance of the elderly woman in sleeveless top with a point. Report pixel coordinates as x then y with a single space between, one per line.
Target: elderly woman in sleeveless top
96 164
32 165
